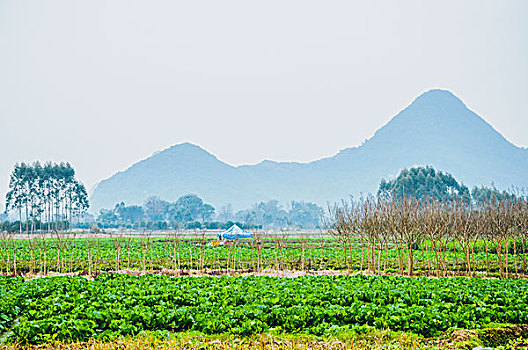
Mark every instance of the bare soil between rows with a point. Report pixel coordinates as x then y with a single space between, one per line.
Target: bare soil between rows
193 273
240 273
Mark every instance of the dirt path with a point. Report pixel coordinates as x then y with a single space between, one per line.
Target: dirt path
240 273
194 273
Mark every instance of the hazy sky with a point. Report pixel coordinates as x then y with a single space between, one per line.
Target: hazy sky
102 84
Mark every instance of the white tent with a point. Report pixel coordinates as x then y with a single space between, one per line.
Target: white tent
234 232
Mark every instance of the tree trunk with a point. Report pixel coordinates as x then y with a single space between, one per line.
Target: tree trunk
344 251
515 256
411 260
487 256
427 261
456 259
506 258
400 258
499 256
435 254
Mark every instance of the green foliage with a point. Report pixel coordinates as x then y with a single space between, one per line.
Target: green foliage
129 214
187 209
272 214
45 193
178 252
191 208
16 226
73 308
9 301
190 212
485 194
424 183
171 252
156 209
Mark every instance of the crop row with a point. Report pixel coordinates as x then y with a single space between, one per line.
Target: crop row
74 308
75 255
9 302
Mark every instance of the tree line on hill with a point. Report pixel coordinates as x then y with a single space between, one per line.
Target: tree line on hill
190 211
426 183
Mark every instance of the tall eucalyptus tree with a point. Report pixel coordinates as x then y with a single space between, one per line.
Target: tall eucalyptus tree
48 192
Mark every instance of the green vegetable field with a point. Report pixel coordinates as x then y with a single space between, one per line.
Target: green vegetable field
73 308
68 254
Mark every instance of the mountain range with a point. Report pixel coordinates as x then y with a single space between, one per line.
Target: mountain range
436 129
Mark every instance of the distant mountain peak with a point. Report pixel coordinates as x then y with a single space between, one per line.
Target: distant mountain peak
439 92
187 146
183 154
436 129
440 95
443 102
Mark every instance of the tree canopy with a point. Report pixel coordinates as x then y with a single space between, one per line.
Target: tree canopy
485 194
188 208
272 214
424 183
190 211
46 192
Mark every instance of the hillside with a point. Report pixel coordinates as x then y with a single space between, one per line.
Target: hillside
436 129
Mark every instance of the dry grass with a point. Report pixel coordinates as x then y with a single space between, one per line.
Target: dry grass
379 340
373 339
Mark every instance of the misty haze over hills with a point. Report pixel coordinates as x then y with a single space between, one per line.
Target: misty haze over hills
437 129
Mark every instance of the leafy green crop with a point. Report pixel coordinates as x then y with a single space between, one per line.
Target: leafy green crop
73 308
79 254
9 301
